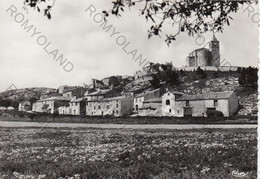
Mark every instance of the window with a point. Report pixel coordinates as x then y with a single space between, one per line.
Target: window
107 106
116 111
167 102
187 103
99 107
178 112
215 103
94 107
170 110
117 105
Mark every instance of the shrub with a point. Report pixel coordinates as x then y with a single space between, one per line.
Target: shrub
21 115
215 115
32 115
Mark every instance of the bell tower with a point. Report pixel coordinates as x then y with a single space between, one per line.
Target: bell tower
214 48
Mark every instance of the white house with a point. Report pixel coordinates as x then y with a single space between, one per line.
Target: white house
180 105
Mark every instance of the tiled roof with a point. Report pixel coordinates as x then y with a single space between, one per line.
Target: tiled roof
98 93
77 100
56 98
213 95
107 99
153 100
175 92
146 92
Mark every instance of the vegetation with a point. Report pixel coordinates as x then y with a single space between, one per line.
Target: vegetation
248 77
191 17
96 153
45 117
215 115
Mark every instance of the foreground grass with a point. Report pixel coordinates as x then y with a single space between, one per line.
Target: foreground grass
98 153
42 117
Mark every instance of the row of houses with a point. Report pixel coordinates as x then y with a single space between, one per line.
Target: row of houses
150 102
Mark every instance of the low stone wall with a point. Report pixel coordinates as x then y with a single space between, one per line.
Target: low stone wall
209 68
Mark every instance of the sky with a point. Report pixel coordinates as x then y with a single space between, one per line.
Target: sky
91 52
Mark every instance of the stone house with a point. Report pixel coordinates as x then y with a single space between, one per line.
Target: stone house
100 94
75 107
50 105
181 105
25 106
151 107
141 97
63 88
49 94
77 92
114 106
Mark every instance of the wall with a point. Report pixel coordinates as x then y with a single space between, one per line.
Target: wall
117 107
226 67
126 106
166 108
233 104
138 101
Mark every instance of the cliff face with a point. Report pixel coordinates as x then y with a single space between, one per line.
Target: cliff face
24 94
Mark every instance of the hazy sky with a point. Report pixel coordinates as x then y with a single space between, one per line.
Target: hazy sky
93 52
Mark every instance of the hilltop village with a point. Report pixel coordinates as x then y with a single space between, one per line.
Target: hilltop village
198 89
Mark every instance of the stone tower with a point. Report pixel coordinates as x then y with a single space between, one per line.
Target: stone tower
214 48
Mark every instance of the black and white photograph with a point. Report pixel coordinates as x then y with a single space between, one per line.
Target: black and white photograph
129 89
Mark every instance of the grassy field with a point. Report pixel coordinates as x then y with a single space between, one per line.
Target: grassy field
41 117
99 153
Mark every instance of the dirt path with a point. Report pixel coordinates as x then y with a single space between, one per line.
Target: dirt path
118 126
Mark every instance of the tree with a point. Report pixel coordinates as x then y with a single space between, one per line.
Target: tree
172 78
201 73
191 17
37 4
248 77
182 73
155 82
114 81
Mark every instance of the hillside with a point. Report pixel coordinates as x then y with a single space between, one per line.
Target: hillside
13 97
188 82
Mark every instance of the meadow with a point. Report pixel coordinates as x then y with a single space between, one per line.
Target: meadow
126 153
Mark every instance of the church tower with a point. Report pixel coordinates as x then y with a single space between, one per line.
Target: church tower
214 48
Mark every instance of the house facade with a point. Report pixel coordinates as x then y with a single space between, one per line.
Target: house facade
114 106
50 105
140 98
151 107
75 107
25 106
77 92
181 105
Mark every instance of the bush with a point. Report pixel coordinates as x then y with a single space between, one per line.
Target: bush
215 115
32 116
21 115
